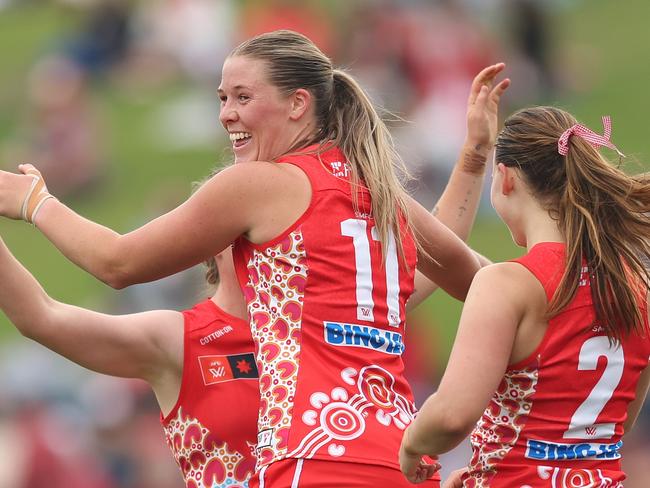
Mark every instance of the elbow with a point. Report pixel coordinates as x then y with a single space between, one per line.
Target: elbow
115 271
112 266
441 429
36 324
115 279
455 427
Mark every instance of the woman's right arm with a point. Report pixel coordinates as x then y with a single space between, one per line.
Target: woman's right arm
240 198
145 345
460 200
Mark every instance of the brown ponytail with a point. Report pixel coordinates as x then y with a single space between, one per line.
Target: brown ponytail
346 118
601 211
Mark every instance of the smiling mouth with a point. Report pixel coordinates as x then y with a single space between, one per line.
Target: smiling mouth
239 139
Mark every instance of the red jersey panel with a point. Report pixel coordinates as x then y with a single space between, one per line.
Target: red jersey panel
557 418
212 428
327 317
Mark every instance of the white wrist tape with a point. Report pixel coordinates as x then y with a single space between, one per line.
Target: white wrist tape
36 196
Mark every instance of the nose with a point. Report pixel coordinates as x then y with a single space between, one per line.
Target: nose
228 114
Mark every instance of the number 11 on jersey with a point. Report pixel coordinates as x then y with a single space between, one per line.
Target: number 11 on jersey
357 230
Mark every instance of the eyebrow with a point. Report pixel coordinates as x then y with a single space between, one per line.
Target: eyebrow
236 87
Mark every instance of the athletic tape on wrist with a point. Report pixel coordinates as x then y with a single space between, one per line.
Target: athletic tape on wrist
36 196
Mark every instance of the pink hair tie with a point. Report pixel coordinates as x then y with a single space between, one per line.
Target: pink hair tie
588 135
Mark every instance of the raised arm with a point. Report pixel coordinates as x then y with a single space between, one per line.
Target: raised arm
146 345
234 202
460 200
443 257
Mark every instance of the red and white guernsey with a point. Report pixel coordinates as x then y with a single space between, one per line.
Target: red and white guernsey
327 318
211 430
556 419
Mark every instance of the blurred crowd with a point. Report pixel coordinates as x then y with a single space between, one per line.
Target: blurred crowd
61 426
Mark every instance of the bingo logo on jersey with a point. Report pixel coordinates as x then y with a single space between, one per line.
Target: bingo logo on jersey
551 451
353 335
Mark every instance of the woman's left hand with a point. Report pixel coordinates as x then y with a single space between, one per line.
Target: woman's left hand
14 189
483 106
414 467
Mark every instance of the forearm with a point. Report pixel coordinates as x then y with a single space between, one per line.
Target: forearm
458 204
22 298
435 430
89 245
457 208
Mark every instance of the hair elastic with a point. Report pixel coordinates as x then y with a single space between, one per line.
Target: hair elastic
588 135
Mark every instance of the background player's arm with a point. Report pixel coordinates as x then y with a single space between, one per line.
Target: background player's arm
457 210
146 345
443 257
225 207
460 200
495 305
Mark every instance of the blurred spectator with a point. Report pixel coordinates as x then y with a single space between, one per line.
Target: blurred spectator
62 137
64 427
50 442
103 40
191 37
421 57
307 17
127 433
528 37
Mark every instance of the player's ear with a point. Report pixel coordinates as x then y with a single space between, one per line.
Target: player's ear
507 177
300 102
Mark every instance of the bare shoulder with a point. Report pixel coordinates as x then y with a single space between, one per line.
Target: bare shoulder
508 273
257 181
511 280
266 198
260 173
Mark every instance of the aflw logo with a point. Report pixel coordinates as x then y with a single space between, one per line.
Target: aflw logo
217 369
218 372
591 431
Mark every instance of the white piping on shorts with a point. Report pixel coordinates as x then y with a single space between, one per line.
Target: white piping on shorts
296 474
262 471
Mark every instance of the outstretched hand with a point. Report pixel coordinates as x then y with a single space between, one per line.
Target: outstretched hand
22 194
483 107
414 466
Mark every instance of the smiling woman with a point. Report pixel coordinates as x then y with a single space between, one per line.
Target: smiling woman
325 248
249 103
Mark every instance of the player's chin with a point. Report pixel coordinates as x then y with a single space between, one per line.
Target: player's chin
245 153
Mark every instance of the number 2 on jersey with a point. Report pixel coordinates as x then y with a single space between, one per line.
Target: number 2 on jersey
583 422
357 230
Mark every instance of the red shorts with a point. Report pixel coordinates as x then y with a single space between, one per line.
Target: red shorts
316 473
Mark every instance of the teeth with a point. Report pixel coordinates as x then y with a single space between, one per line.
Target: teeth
235 136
